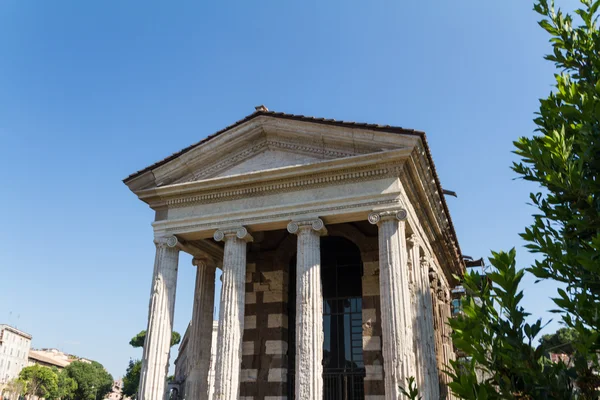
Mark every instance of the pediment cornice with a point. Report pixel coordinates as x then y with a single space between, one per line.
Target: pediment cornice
245 141
326 173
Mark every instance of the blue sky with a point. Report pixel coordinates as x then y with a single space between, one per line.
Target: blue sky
93 91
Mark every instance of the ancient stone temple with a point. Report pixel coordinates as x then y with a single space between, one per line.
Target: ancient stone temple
337 252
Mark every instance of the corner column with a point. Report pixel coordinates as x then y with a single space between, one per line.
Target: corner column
231 313
196 385
396 316
423 329
309 309
157 345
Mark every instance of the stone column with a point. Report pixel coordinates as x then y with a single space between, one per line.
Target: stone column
231 313
428 345
155 359
309 309
441 313
416 305
396 316
196 384
448 350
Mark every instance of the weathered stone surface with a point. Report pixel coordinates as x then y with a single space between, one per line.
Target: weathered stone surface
250 322
248 375
309 310
250 298
276 347
155 359
277 321
231 314
396 313
374 372
277 375
196 385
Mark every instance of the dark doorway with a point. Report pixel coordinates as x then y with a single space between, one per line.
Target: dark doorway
341 277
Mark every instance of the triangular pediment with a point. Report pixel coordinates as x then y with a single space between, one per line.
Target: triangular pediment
267 143
269 159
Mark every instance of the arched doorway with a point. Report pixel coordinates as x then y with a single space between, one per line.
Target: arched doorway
341 278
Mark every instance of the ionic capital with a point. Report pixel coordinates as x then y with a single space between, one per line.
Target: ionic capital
379 216
433 278
166 241
204 262
412 241
239 233
315 224
425 262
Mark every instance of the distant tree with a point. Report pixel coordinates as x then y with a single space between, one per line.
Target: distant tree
138 340
131 380
560 341
93 381
14 389
66 386
39 381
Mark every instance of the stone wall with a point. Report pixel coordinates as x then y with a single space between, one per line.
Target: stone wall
265 347
371 313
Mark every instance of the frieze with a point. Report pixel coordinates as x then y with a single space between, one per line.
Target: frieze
288 185
280 216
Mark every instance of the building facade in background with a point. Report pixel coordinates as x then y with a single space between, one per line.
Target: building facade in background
53 358
338 256
14 351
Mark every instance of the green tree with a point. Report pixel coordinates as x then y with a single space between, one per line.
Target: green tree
66 387
138 340
563 159
502 362
131 380
39 381
93 381
561 341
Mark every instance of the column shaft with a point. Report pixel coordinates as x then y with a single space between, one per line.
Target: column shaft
196 385
231 314
431 383
416 310
309 310
396 320
157 345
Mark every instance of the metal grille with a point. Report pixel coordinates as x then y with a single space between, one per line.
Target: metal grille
337 385
343 385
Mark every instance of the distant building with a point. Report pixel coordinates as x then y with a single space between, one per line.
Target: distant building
116 392
14 348
53 358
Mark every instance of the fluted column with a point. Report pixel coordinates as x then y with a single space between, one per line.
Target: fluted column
231 313
396 320
157 345
447 348
416 305
196 384
309 309
429 356
423 329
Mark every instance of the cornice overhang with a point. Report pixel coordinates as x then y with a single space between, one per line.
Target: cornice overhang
423 193
265 181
